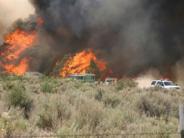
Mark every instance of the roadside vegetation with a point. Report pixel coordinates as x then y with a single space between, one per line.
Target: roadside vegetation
35 104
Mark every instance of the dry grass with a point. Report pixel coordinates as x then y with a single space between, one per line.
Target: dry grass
62 106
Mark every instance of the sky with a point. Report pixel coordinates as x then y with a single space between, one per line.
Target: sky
11 10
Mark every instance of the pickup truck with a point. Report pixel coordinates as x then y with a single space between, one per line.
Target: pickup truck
165 84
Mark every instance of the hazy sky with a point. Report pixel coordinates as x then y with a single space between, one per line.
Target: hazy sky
10 10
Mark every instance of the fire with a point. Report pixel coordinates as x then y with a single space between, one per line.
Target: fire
80 63
16 43
19 69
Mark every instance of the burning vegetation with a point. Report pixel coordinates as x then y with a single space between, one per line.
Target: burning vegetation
80 63
106 34
16 43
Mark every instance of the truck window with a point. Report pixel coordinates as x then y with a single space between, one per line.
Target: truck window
169 83
153 82
160 83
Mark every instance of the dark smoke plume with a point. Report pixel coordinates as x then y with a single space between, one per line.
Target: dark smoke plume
131 35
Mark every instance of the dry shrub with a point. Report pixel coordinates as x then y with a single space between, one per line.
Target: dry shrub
68 107
99 95
53 113
64 132
13 123
89 115
109 99
46 120
112 101
113 120
125 83
157 105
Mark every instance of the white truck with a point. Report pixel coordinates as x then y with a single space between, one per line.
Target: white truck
165 84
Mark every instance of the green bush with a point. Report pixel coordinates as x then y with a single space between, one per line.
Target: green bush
18 97
49 85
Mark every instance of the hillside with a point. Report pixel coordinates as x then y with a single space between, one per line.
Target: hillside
35 104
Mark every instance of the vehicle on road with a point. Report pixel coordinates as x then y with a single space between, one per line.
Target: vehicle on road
110 81
165 84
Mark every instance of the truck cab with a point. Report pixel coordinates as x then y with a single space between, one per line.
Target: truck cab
165 84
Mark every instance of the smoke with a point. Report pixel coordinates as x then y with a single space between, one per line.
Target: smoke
144 80
133 36
179 71
10 11
116 29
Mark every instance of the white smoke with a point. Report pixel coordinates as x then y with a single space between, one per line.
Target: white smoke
11 10
144 80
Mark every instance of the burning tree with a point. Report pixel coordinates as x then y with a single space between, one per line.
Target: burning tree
83 62
16 43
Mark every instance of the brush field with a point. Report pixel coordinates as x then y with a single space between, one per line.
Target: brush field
34 104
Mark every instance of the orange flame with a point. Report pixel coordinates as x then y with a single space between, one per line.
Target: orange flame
19 69
17 42
80 63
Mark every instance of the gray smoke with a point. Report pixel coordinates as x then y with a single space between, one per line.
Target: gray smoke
120 30
131 35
